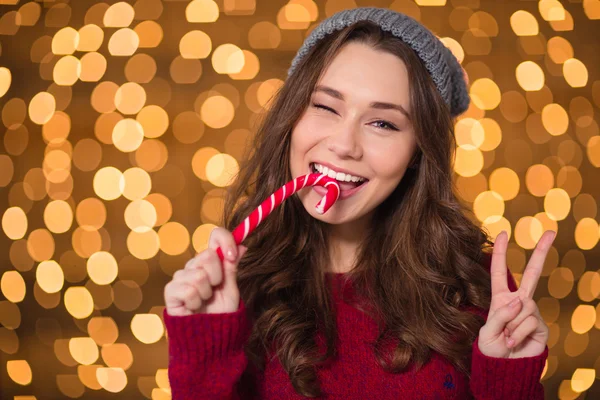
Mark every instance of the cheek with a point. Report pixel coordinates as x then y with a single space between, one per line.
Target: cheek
304 137
390 162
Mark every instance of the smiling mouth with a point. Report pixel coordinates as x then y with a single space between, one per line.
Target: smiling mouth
343 184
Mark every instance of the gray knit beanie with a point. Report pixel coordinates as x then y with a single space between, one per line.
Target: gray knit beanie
438 59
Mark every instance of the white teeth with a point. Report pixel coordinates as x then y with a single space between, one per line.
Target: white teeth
340 176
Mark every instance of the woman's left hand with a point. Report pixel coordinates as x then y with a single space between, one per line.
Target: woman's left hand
518 330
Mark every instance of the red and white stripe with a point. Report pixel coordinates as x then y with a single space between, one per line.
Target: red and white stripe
241 232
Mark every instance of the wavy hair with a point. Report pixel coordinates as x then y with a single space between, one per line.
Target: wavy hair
418 269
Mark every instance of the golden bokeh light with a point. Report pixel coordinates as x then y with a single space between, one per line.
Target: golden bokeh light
123 42
485 94
19 371
93 66
557 204
583 379
79 302
468 161
154 121
112 380
90 38
109 183
65 41
505 182
118 15
174 238
49 276
524 23
130 98
140 216
228 59
530 76
83 350
42 107
575 73
202 11
195 44
102 268
14 223
12 286
147 328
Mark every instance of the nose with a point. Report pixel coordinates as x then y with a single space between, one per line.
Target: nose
345 142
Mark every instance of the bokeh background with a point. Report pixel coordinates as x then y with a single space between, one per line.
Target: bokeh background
123 123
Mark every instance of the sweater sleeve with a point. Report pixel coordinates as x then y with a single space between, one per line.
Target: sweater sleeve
506 378
206 354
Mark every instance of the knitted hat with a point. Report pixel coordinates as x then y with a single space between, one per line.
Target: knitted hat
444 68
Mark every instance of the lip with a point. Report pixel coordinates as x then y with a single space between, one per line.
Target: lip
335 168
344 194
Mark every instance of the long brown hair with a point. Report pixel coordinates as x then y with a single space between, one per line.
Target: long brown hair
418 267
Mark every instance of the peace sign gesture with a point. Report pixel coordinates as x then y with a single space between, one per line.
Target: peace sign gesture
514 327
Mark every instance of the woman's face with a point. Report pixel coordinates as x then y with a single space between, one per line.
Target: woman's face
357 122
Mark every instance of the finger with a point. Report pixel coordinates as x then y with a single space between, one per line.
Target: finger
221 237
181 298
498 269
529 308
534 268
496 323
527 327
230 267
199 279
207 260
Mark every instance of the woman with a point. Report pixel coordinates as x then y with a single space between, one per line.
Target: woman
393 292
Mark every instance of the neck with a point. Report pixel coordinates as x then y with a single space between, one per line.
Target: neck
344 241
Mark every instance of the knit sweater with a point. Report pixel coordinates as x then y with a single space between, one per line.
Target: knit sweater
207 360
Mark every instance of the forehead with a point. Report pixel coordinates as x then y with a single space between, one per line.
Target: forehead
363 73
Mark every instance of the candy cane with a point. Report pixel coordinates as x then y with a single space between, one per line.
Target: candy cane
241 232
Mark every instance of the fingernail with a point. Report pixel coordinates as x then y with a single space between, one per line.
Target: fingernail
231 254
514 302
510 342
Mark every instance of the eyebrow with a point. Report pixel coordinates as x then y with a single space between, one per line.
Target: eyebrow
377 104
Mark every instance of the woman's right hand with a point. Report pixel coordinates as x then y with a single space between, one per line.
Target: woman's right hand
206 285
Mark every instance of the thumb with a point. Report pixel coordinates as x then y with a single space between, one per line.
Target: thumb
497 322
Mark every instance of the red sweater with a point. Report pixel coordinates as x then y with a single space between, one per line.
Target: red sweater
206 361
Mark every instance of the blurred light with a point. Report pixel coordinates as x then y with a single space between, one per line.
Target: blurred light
174 238
575 73
14 223
147 328
583 379
41 108
202 11
524 23
65 41
83 350
5 80
195 44
49 276
90 38
123 42
119 15
12 286
78 302
19 371
128 135
228 59
530 76
468 161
